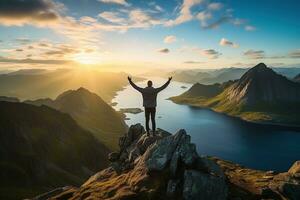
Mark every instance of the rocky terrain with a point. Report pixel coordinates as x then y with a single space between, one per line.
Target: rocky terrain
168 166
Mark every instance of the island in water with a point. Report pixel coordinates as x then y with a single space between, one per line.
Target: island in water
131 110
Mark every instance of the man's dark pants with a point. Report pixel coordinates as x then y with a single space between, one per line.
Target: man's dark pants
150 111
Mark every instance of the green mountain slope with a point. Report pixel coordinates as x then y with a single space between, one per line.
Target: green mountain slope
90 112
261 95
41 148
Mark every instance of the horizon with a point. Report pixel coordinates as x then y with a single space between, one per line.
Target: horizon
111 34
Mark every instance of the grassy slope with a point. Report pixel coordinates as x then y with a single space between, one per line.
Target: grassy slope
262 113
41 149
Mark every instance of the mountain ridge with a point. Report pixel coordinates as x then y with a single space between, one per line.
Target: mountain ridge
91 112
42 148
260 95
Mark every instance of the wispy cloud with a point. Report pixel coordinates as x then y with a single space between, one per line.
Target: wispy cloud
185 13
254 54
193 62
210 53
225 42
170 39
295 54
121 2
163 50
250 28
215 6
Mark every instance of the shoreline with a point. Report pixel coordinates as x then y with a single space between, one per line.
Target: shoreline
270 124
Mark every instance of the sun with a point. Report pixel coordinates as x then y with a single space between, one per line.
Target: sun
87 58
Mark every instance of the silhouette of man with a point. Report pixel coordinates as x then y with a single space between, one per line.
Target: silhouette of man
149 94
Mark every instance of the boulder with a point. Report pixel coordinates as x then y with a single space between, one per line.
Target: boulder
295 169
113 156
206 164
160 154
172 188
201 186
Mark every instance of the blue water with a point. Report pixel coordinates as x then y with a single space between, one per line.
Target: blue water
256 146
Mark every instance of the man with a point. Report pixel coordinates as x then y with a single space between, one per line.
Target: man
149 101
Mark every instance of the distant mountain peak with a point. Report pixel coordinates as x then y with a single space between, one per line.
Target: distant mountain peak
262 84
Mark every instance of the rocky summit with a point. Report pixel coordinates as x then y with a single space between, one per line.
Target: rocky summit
167 166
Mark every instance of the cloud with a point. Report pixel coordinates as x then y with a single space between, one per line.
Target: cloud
170 39
210 53
20 12
250 28
252 54
215 6
34 61
295 54
164 50
112 17
185 13
225 42
158 8
217 23
193 62
238 21
121 2
203 17
23 40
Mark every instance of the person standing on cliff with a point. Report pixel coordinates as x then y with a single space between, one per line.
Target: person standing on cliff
149 94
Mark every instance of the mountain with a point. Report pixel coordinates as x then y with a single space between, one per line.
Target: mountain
91 112
260 95
9 99
297 78
29 72
51 84
42 148
224 75
262 84
200 90
167 166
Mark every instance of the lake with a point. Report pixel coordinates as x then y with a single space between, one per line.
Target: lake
264 147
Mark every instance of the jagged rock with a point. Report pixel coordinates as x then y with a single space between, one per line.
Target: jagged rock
172 188
174 163
206 164
134 132
187 150
201 186
288 184
114 156
158 155
167 166
295 169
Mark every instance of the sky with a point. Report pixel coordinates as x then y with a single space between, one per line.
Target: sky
146 34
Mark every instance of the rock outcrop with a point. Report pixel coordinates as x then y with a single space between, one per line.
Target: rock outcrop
167 166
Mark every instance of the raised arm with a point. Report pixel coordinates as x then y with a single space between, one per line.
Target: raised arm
164 85
134 85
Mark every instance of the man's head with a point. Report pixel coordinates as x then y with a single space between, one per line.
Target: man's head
149 83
